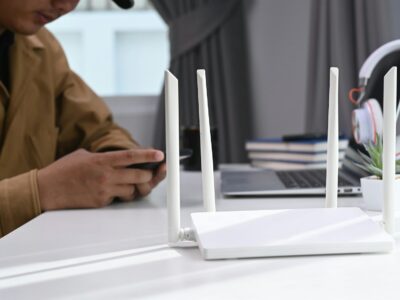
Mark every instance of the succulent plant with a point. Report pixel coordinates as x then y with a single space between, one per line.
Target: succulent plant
372 163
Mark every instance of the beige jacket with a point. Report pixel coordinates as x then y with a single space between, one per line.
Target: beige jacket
51 112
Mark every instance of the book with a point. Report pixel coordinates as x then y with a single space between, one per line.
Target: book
291 156
279 165
278 144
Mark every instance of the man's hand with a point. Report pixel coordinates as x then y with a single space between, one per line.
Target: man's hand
83 179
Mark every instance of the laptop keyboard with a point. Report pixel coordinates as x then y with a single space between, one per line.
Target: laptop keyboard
307 179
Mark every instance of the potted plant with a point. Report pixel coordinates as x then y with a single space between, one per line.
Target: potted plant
372 186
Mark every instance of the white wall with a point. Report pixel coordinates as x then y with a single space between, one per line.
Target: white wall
116 52
278 36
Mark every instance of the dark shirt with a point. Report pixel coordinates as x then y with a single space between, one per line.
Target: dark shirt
6 40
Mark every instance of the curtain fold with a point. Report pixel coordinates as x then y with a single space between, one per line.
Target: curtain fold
210 35
342 34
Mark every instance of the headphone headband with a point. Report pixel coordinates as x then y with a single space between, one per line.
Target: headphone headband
374 58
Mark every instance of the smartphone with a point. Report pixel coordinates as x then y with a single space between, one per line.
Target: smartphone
183 154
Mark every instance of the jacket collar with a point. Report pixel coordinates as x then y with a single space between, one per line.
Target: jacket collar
33 42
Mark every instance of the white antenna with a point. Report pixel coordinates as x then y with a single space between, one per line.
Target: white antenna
172 153
389 149
332 163
205 144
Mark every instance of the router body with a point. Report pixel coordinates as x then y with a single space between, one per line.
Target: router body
264 233
289 232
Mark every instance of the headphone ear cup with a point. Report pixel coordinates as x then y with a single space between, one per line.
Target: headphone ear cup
367 122
376 116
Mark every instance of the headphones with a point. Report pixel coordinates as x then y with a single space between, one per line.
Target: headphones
367 119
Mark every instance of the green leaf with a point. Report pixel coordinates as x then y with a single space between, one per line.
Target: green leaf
372 163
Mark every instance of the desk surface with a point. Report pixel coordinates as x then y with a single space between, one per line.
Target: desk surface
120 252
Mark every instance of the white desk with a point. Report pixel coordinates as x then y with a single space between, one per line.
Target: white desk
120 252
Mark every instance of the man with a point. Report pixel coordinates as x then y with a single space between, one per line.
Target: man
59 146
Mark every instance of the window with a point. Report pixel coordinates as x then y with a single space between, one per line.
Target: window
116 52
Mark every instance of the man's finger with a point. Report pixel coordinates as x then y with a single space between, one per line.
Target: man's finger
131 176
125 192
143 189
133 156
160 175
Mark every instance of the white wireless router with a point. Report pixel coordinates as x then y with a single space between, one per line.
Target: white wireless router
262 233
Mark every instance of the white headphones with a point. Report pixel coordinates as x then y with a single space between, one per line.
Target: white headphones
367 120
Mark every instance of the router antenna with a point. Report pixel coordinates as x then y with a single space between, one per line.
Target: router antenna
389 148
172 153
332 163
205 144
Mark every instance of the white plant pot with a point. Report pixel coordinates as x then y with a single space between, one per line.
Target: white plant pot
372 191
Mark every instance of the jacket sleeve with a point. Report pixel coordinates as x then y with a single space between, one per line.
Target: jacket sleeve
19 201
84 120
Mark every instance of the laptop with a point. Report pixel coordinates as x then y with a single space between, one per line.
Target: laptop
307 182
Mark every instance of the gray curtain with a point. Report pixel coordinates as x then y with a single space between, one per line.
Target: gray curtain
343 33
209 34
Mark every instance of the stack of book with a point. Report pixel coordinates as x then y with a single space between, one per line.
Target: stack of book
276 153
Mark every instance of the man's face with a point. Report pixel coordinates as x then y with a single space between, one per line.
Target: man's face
28 16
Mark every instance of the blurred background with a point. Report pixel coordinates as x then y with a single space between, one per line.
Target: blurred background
267 61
